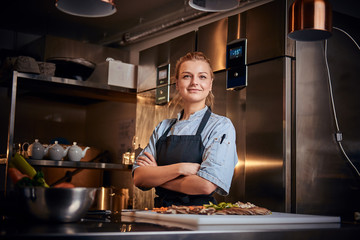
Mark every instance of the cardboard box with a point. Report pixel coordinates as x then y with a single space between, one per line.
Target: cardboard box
115 73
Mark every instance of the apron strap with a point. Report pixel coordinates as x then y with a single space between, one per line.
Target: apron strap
167 130
204 121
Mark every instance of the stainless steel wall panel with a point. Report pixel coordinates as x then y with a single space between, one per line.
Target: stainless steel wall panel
219 91
149 60
264 165
212 39
236 111
265 31
147 70
236 27
326 182
179 47
165 53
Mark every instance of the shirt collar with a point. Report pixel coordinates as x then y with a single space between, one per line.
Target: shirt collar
197 114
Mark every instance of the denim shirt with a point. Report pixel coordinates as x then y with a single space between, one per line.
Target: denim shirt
218 136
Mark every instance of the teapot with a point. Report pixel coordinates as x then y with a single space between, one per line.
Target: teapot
36 150
75 152
57 152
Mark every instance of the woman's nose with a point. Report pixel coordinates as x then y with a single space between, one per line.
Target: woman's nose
194 80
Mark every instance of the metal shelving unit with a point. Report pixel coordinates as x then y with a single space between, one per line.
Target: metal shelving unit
78 88
69 164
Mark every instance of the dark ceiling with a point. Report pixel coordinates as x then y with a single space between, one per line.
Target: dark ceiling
41 17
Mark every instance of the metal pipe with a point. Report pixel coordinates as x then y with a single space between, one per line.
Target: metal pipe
127 38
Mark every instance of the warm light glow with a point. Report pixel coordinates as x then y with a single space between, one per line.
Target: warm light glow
259 163
319 15
264 163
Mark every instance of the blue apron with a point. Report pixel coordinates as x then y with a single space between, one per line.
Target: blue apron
180 148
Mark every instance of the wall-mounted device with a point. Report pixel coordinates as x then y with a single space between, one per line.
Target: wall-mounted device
236 73
163 75
162 84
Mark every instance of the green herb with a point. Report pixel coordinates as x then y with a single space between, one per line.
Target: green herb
219 206
37 180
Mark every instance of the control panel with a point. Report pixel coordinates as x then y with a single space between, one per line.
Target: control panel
236 73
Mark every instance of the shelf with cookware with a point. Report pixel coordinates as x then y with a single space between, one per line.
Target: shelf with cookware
66 90
85 165
46 86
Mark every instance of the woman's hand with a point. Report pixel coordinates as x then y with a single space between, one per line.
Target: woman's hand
149 160
186 168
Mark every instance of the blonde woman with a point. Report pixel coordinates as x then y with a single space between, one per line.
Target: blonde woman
192 156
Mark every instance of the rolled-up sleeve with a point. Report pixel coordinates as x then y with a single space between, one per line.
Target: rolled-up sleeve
151 147
220 156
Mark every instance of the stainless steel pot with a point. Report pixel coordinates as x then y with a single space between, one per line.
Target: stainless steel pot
121 199
110 198
103 199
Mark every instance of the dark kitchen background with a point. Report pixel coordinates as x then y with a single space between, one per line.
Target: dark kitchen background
289 159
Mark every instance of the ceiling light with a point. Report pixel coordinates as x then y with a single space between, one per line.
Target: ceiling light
214 5
87 8
310 20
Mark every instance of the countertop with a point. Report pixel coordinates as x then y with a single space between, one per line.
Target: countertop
114 226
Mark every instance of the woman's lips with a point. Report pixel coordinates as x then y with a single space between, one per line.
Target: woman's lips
194 90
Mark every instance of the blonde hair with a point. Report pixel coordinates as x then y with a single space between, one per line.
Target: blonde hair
191 56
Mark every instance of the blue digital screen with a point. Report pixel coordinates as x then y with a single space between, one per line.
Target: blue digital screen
235 52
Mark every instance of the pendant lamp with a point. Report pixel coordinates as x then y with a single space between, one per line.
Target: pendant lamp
87 8
310 20
214 5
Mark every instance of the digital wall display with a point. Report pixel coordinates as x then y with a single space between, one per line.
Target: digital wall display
235 52
236 66
163 75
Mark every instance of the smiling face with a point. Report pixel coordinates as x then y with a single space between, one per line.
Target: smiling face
194 82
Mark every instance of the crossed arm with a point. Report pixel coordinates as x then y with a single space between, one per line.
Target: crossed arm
180 177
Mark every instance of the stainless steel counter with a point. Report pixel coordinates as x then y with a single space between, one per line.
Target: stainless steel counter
113 227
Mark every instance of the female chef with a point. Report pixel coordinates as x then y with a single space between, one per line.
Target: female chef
190 157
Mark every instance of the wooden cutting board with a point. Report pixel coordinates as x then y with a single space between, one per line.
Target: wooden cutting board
205 222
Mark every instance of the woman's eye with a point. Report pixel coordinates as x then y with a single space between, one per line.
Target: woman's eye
203 77
186 76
